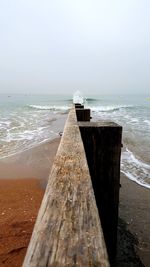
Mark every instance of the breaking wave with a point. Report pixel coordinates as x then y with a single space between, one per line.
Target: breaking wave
110 108
53 108
135 169
78 98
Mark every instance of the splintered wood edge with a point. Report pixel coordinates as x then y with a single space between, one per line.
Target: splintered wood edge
68 231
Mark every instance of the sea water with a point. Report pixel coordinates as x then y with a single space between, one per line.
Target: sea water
28 120
133 114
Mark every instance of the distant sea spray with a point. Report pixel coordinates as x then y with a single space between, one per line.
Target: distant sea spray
78 98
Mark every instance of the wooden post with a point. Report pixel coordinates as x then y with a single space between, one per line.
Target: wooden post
79 106
83 114
102 143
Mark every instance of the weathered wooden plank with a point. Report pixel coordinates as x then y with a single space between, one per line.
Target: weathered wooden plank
68 230
102 143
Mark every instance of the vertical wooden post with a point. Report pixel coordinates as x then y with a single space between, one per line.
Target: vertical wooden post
102 143
83 114
79 106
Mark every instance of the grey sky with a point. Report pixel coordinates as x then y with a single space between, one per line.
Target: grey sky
64 45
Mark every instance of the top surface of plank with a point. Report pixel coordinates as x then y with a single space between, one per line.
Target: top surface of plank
68 230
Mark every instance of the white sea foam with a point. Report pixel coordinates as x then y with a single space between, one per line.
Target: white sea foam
135 169
5 123
19 142
133 178
27 129
130 156
134 120
109 108
147 122
53 108
78 98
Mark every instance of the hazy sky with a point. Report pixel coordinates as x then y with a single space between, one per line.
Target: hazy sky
56 46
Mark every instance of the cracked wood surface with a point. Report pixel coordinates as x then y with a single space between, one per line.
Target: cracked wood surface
68 230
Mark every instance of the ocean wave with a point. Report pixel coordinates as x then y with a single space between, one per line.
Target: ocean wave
133 178
135 169
15 143
78 98
147 122
86 99
93 108
53 108
32 127
110 108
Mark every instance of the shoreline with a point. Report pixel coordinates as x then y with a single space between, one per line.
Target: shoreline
23 178
33 162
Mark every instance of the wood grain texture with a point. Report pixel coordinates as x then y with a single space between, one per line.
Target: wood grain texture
68 230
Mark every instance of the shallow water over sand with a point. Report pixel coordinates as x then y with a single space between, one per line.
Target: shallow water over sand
26 121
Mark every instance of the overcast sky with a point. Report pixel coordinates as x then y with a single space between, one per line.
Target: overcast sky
59 46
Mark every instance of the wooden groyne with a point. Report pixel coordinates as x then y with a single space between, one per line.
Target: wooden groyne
68 230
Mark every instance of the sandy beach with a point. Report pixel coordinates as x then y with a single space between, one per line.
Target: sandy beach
19 204
23 178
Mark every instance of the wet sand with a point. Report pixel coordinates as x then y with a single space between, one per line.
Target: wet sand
23 178
34 162
134 210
